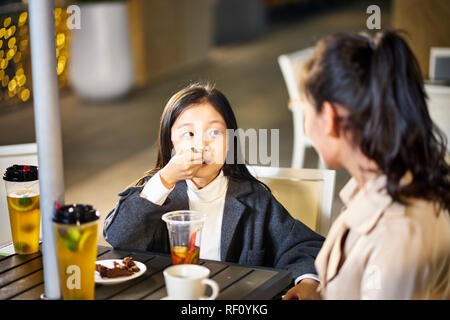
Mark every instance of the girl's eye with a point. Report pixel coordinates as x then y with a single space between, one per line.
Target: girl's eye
214 132
188 134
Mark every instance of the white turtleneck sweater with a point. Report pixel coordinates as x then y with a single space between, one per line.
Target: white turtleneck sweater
209 200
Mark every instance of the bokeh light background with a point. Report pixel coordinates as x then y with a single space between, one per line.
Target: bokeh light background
15 62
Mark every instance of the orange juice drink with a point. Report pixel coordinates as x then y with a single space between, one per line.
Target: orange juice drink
76 246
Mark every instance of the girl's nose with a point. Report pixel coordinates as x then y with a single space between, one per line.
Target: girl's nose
200 142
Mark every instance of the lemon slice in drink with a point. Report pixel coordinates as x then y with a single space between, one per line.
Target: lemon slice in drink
22 204
71 238
180 251
74 234
84 238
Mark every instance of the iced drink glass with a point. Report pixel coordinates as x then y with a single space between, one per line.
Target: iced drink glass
76 246
22 193
184 229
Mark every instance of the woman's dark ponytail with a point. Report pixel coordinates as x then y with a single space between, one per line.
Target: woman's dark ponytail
379 81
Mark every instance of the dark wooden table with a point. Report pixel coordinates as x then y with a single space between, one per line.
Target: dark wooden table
21 278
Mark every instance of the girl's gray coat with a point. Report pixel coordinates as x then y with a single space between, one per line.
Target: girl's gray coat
256 228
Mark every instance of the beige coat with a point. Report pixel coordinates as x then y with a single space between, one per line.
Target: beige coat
380 249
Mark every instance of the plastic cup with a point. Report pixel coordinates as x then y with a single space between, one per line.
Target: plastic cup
76 247
185 229
22 195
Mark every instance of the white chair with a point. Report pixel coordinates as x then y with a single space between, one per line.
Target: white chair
306 193
10 155
290 65
439 108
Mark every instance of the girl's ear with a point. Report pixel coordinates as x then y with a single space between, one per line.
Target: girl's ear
330 119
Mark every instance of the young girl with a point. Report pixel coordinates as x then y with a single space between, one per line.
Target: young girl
244 222
366 111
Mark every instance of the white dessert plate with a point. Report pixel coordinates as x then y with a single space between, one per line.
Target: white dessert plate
110 264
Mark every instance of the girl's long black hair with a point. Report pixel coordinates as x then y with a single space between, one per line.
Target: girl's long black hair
191 95
379 81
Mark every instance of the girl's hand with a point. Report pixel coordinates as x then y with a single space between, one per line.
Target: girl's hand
304 290
183 166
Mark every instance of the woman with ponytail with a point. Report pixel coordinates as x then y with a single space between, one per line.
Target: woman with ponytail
366 111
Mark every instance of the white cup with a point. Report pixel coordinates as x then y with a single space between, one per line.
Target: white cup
188 282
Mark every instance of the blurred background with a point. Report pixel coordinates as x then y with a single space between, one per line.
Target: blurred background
119 69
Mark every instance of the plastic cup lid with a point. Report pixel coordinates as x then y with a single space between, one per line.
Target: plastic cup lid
75 214
21 173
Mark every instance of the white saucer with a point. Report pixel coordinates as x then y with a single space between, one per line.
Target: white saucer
110 264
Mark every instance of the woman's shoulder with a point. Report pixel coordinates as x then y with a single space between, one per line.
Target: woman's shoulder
413 222
415 212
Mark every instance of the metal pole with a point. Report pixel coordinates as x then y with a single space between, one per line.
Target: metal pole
48 131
